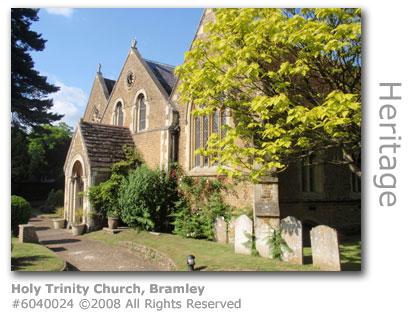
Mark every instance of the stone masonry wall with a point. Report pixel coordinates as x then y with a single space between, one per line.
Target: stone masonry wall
156 103
97 98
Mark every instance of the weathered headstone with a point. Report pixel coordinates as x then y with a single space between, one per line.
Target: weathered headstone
244 226
325 248
231 230
219 230
263 232
291 231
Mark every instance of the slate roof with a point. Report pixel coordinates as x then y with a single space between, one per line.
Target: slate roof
104 143
164 73
110 85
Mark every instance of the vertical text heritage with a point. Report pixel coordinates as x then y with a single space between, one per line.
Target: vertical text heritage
388 144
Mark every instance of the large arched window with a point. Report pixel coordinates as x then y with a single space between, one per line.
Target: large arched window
202 128
142 113
119 121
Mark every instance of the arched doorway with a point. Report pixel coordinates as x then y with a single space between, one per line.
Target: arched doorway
77 186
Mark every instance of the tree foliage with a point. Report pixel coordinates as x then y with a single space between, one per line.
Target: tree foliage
29 90
20 158
47 149
290 79
20 213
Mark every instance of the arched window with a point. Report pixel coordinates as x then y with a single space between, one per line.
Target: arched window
119 115
142 113
202 128
309 174
198 139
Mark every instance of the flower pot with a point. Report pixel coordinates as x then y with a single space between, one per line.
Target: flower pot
112 223
78 229
59 223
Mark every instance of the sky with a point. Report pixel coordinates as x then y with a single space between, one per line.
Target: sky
79 39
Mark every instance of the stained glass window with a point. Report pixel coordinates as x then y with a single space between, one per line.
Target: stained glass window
142 113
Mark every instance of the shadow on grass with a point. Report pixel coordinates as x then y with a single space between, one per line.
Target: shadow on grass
307 259
70 267
200 268
18 264
350 266
58 249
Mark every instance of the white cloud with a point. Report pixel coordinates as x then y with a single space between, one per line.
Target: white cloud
70 101
66 12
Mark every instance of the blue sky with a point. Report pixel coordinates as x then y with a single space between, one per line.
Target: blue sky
78 39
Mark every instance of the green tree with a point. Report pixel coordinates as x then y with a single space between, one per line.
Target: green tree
290 79
47 149
19 155
29 104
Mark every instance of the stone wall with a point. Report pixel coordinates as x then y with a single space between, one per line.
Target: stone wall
149 145
97 98
155 99
342 215
27 234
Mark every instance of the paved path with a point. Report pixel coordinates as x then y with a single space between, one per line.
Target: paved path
86 255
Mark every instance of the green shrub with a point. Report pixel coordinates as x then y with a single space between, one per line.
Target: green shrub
277 244
146 198
59 198
20 213
59 212
50 203
201 202
104 197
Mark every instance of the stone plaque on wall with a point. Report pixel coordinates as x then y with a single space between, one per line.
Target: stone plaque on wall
266 197
291 231
325 248
244 226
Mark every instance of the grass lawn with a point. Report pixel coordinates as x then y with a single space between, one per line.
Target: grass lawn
36 212
34 257
210 256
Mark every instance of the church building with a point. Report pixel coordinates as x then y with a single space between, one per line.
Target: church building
142 109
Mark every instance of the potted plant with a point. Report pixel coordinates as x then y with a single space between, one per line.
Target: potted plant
59 223
78 225
112 220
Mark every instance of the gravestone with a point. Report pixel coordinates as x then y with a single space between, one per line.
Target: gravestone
231 230
263 231
219 230
291 231
325 248
244 226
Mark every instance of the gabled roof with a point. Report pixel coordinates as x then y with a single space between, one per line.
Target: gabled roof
110 84
164 73
104 143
